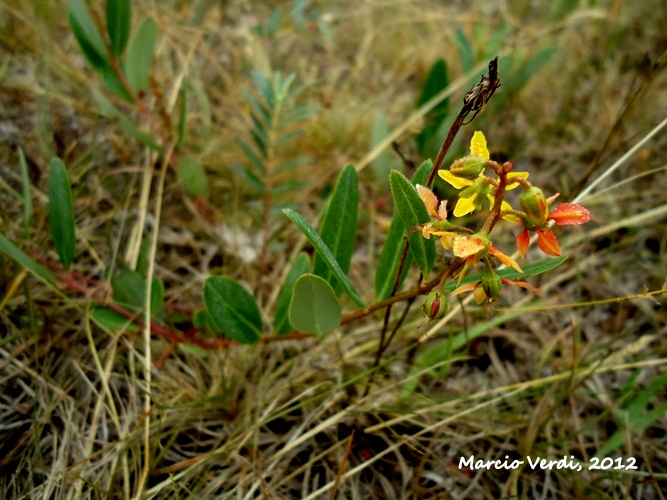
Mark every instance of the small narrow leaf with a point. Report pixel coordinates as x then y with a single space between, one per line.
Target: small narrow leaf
322 249
61 212
112 320
25 189
314 307
413 213
339 226
300 266
140 55
232 310
20 257
392 250
119 20
86 33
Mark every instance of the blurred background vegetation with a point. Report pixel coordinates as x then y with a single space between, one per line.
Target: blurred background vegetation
579 371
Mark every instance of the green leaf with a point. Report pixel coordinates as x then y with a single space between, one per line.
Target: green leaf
300 266
436 81
413 213
119 21
23 259
339 226
392 250
114 83
322 249
61 212
140 55
129 289
314 307
232 310
86 33
192 176
111 320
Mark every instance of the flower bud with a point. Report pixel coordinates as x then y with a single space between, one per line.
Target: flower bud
468 167
491 284
435 305
534 203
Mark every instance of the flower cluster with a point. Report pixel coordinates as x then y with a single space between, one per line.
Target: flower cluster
475 190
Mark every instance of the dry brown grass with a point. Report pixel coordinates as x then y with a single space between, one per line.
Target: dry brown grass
548 376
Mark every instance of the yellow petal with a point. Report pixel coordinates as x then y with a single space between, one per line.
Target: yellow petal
456 182
478 145
512 185
464 206
504 206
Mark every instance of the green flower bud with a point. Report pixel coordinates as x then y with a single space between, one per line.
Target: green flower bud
435 305
534 203
468 167
491 284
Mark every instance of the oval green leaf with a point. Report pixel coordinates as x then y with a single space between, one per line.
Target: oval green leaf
314 307
392 250
323 250
140 55
232 310
339 226
61 212
300 266
119 20
129 289
192 176
413 213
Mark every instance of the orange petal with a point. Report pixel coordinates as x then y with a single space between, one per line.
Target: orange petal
429 200
505 259
548 243
570 213
465 246
465 288
522 242
522 284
